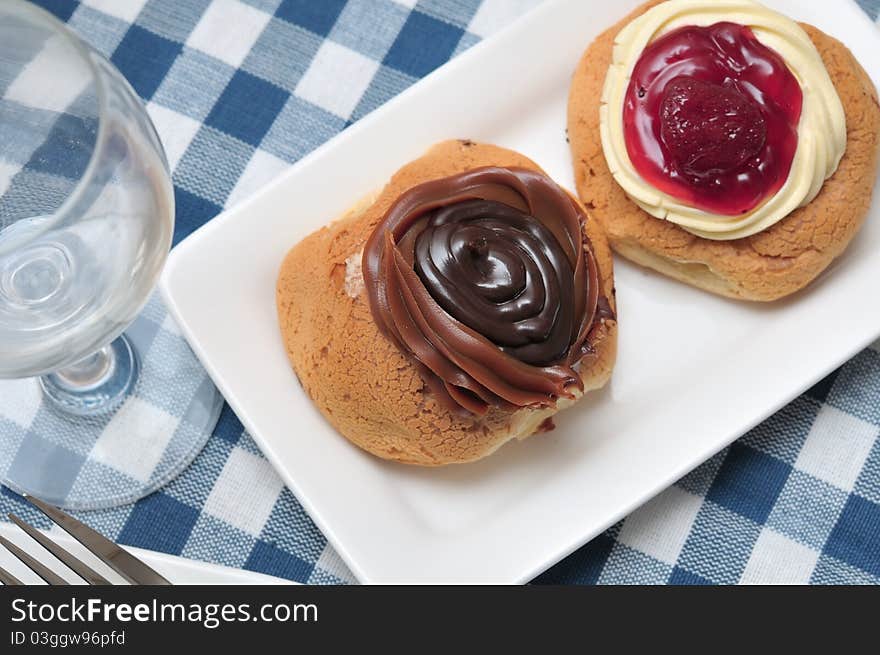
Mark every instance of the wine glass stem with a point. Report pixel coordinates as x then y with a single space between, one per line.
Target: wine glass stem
90 372
96 384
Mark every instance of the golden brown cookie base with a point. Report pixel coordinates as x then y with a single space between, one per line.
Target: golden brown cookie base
769 265
359 380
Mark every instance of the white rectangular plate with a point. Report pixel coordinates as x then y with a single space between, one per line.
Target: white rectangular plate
694 371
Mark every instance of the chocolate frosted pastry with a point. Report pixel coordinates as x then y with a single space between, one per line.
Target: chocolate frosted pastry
461 308
487 280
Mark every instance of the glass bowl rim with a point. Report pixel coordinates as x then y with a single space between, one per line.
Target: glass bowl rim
87 53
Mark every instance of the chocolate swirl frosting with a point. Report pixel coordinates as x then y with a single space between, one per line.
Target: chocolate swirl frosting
488 282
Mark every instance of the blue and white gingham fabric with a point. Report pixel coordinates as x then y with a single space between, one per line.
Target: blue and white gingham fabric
241 89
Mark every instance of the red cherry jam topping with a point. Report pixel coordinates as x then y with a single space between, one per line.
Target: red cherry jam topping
709 129
710 118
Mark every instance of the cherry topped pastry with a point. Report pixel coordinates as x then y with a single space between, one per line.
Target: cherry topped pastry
730 147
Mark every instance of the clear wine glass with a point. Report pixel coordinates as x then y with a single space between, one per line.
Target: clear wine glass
86 223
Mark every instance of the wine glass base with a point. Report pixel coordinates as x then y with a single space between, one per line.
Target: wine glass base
100 459
96 386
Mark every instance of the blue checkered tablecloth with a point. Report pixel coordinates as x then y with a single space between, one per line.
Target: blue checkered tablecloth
240 89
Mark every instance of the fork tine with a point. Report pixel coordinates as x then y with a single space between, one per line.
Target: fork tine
117 558
8 579
79 567
37 567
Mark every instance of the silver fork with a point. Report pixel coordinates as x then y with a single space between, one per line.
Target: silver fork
121 561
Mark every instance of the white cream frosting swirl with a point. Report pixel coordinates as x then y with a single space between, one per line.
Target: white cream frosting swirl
821 130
